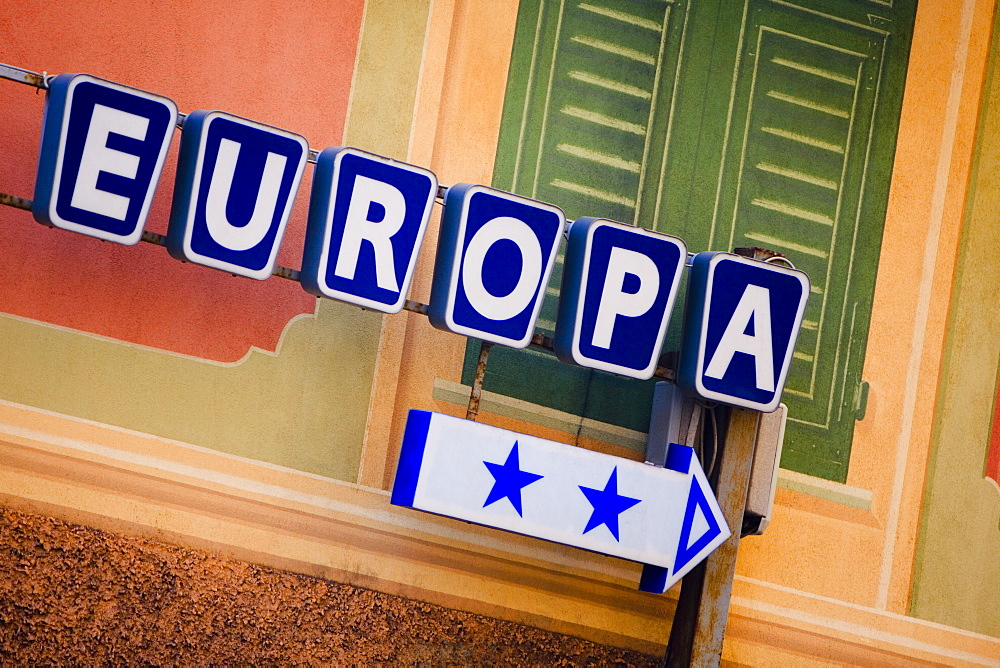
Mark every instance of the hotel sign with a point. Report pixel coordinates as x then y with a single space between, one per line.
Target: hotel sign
102 153
665 517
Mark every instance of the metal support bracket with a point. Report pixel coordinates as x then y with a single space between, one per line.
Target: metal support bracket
475 396
702 612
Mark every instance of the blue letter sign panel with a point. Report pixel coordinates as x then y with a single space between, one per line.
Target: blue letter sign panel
618 289
495 254
742 321
236 182
665 517
103 147
367 218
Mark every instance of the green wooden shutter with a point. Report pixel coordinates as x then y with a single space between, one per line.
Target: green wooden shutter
810 142
586 112
764 123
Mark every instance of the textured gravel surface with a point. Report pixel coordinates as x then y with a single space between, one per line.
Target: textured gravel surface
72 595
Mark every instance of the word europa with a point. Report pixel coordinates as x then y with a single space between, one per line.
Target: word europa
102 154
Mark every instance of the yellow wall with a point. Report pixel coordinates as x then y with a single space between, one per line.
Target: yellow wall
853 544
957 569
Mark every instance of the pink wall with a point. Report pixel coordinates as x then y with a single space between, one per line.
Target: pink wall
204 55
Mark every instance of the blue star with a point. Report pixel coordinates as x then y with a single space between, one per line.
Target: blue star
510 479
608 505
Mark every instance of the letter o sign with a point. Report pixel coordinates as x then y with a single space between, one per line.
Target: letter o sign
502 307
495 254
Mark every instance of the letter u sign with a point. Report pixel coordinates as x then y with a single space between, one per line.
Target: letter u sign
236 183
743 319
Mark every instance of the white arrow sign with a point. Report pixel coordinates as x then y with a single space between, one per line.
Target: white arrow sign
664 517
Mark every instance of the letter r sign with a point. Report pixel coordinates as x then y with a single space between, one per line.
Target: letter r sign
236 183
367 218
743 319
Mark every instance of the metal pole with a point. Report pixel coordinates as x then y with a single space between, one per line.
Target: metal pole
477 383
703 609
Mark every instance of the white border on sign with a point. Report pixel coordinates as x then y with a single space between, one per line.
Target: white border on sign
133 238
703 334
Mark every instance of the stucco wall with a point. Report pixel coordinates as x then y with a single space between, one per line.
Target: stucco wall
117 430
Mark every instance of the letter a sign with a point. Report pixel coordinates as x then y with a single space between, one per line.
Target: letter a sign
743 318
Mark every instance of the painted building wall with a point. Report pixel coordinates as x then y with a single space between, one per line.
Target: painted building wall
178 350
151 397
960 525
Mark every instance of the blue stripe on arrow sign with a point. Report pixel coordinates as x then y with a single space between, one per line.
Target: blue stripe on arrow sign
408 470
478 473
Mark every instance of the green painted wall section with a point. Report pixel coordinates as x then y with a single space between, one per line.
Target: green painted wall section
304 407
388 72
957 574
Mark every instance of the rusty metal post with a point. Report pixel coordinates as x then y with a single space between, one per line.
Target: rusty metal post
703 609
477 384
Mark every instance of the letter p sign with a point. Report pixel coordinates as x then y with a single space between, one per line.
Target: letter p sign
743 319
619 285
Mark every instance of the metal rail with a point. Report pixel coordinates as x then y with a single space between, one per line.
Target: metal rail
664 371
701 617
24 76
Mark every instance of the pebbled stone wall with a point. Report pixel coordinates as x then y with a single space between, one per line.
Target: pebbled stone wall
72 595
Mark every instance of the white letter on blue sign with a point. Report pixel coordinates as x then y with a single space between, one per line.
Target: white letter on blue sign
755 306
103 149
618 289
367 218
615 301
740 329
495 254
99 158
236 183
367 196
241 237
